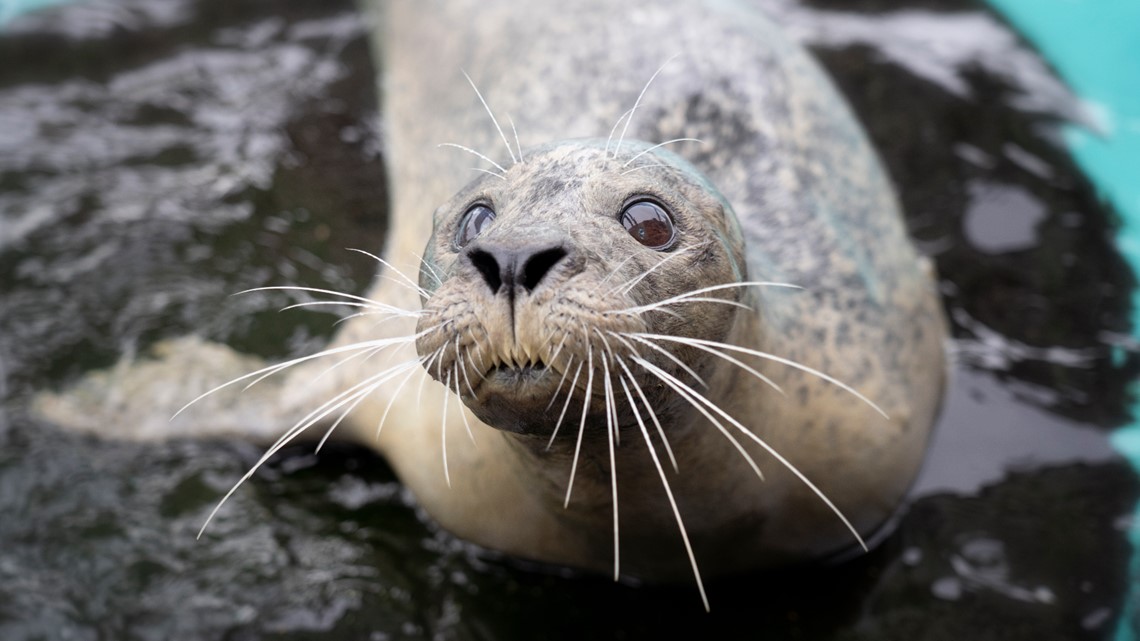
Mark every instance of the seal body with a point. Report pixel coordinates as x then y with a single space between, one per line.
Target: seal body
783 188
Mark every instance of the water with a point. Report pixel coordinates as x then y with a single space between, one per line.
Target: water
156 157
1098 53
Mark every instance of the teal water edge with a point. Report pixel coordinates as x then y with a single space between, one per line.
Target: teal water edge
1095 46
11 8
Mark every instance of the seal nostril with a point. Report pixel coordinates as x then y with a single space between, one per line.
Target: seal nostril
489 267
539 264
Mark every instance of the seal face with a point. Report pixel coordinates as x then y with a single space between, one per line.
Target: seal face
546 277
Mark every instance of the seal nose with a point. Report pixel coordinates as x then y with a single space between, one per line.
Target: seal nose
523 266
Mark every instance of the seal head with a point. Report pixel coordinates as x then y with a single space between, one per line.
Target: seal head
542 277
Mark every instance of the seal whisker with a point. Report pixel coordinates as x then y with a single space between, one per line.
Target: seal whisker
363 345
324 410
358 398
659 145
629 312
459 406
649 409
582 425
490 173
354 393
694 342
439 368
273 369
668 490
427 368
565 406
740 285
350 397
632 110
492 115
628 286
475 153
367 301
561 382
632 348
652 166
771 450
688 394
430 269
704 290
482 362
742 365
365 354
443 431
612 429
407 280
688 370
376 309
518 143
607 349
463 368
558 350
660 305
612 273
613 129
395 394
387 317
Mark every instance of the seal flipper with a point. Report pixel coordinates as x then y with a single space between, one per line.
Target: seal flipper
137 398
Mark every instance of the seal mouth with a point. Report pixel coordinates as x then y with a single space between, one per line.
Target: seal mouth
514 372
529 366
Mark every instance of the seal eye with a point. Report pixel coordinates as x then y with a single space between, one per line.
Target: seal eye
476 218
649 225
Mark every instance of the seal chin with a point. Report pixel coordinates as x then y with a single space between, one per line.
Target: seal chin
516 398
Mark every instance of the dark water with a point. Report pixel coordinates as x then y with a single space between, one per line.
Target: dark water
157 156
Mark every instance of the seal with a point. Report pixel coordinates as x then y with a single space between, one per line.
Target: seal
680 333
679 363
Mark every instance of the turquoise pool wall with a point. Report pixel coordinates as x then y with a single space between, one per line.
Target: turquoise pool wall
11 8
1095 46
